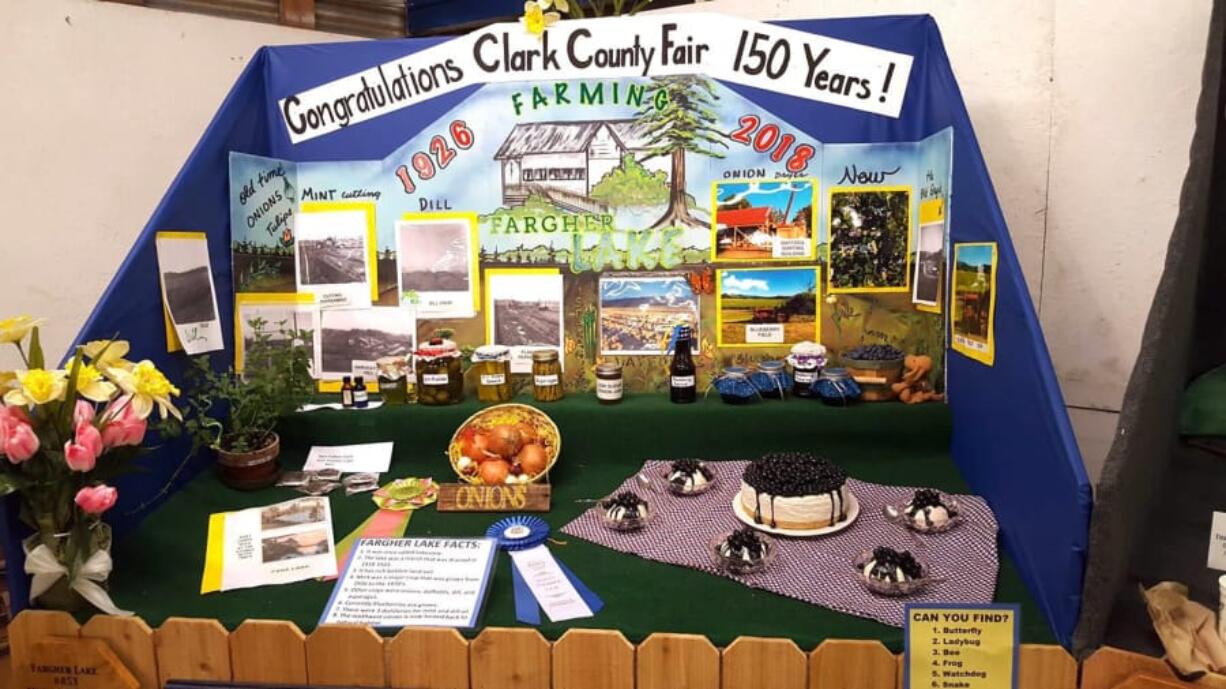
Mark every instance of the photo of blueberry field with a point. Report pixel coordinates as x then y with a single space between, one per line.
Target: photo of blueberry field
868 240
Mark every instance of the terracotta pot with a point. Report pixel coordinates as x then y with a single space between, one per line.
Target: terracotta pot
250 470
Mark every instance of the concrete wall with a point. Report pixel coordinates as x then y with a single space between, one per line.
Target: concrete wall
1083 109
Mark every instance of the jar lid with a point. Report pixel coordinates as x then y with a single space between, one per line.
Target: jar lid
772 366
735 371
545 355
492 352
609 368
835 374
438 347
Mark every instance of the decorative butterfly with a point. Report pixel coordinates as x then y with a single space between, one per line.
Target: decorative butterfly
702 281
287 237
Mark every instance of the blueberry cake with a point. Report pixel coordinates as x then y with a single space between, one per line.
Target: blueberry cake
892 567
624 509
927 511
689 476
743 551
794 490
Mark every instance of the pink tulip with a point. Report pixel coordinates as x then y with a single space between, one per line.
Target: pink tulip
126 429
82 413
80 457
96 499
10 416
20 441
89 436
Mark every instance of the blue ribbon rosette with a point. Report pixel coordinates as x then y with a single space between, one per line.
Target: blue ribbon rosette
521 532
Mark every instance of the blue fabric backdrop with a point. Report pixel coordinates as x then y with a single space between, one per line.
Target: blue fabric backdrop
1012 437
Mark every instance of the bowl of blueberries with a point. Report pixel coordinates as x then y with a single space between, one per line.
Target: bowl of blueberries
624 512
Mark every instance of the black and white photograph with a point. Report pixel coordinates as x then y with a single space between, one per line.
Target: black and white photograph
929 264
187 289
331 256
295 545
524 313
283 323
362 335
298 512
435 264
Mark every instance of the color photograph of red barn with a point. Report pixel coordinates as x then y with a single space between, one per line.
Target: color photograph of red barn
762 221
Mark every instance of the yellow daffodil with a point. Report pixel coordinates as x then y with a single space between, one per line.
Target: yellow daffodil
106 354
148 387
559 5
36 386
536 19
91 385
16 328
7 380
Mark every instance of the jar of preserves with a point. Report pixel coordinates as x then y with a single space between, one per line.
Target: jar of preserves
492 364
392 373
546 375
772 379
836 387
734 386
440 374
807 359
609 384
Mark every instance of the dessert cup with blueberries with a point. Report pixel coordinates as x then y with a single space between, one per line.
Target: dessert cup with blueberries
743 551
889 572
928 511
624 512
689 477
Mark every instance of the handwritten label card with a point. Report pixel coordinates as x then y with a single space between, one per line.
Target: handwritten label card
556 595
1217 542
370 457
952 647
401 582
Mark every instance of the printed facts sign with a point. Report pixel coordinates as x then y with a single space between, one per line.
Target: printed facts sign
961 647
739 51
1217 542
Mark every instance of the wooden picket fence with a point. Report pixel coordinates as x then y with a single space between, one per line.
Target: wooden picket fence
275 651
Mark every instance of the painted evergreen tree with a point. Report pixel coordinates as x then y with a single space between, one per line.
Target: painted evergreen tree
686 124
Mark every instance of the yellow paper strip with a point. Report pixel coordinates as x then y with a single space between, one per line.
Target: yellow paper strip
214 554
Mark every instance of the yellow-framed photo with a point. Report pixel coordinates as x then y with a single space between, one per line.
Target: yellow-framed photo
437 265
972 312
764 220
870 239
767 307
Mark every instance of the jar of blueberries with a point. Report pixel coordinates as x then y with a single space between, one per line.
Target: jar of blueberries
771 380
835 387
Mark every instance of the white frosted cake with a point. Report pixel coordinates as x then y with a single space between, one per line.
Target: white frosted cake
790 490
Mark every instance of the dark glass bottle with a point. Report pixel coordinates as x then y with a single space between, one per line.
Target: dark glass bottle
682 384
346 392
360 397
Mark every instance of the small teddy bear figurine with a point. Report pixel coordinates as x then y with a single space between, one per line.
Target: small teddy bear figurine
914 386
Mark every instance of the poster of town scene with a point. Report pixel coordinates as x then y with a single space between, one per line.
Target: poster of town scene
638 314
767 306
627 179
764 221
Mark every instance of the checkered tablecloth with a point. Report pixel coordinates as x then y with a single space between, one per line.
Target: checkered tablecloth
816 570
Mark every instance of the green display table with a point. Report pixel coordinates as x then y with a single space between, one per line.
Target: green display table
158 567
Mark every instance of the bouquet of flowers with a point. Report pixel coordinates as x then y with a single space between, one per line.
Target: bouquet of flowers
65 432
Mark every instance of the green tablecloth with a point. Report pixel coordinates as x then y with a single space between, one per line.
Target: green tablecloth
158 568
1204 405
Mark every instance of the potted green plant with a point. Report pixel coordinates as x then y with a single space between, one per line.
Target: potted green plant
235 413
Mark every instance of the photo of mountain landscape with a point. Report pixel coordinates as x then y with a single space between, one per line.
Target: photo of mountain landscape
637 314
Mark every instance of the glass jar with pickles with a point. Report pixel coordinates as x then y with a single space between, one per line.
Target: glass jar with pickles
440 373
546 375
492 364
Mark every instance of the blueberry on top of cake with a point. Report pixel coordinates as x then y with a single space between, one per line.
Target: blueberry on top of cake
689 475
927 510
743 545
624 506
889 565
791 474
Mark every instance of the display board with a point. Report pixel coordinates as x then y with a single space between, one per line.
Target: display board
425 176
731 221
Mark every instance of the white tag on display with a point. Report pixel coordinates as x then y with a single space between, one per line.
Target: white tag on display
1217 542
